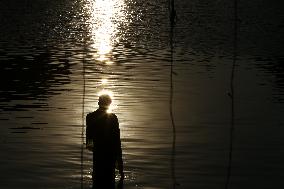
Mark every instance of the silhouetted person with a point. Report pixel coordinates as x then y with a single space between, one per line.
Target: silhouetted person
103 131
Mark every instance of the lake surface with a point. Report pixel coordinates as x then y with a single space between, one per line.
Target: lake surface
57 56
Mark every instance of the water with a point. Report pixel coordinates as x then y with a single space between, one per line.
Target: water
124 48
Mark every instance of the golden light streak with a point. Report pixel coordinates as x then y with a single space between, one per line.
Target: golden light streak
106 16
104 81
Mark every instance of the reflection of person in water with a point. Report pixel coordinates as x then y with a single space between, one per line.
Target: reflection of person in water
104 134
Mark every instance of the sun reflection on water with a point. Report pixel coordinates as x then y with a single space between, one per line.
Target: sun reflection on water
104 81
105 18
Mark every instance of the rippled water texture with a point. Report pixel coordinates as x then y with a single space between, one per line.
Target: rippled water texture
52 51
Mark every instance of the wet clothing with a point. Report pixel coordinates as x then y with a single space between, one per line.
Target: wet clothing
103 131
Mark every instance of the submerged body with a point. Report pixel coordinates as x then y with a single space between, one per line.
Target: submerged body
103 131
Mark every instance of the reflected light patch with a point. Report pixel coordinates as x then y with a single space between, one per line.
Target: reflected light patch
104 81
105 18
109 62
102 58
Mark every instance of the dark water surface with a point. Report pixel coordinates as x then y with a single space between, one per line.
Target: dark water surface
124 47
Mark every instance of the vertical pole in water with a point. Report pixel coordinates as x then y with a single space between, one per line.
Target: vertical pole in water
172 24
83 113
232 93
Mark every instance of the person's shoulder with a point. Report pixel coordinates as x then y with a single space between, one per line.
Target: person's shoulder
113 116
91 114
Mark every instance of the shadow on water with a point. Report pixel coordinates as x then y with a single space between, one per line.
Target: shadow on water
273 66
27 79
31 61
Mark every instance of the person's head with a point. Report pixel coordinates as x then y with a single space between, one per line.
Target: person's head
104 101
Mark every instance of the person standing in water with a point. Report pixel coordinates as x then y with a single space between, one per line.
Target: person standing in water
103 137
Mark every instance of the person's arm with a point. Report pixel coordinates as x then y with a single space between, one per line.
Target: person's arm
88 134
119 159
118 149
